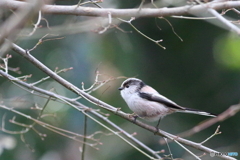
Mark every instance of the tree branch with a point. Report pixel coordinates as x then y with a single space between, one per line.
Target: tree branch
231 111
108 107
79 105
224 21
11 27
144 12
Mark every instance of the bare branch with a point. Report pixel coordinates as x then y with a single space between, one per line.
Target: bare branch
225 21
5 61
40 41
10 28
130 23
231 111
36 24
215 133
107 106
79 105
65 133
106 18
84 139
144 12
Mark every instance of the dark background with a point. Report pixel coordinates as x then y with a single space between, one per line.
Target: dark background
202 72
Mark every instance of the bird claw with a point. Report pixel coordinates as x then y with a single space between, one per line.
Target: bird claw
157 129
133 115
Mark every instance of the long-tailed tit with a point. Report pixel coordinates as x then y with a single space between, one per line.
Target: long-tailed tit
148 104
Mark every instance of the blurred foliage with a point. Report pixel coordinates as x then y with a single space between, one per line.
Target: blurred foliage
201 72
227 51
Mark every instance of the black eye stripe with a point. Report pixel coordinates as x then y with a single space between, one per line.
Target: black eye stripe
125 84
133 82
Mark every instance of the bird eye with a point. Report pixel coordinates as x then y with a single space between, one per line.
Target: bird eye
127 86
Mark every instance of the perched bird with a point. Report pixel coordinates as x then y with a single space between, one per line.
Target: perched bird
148 104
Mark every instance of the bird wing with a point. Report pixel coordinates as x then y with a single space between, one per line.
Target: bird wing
160 99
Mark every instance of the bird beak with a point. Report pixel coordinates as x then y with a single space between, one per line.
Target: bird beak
121 88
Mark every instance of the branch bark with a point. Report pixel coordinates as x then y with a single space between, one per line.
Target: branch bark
144 12
231 111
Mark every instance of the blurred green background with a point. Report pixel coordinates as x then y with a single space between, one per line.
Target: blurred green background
202 72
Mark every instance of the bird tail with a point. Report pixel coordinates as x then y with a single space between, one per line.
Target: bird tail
195 111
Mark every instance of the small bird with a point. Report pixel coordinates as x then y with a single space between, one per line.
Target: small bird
148 104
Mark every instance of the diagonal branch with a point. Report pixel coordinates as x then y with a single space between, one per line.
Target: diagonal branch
224 21
231 111
79 105
106 106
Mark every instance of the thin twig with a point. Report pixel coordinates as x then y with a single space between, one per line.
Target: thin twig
231 111
171 155
36 24
215 133
167 22
109 24
40 41
84 137
80 105
48 77
5 61
57 130
172 28
130 23
12 26
224 21
41 112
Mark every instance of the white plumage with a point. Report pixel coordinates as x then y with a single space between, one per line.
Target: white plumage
148 104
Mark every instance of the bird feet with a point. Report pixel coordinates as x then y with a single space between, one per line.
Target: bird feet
133 115
157 129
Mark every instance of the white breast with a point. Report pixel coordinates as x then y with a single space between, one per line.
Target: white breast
148 110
